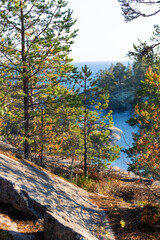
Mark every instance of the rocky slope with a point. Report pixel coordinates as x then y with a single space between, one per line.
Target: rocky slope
68 214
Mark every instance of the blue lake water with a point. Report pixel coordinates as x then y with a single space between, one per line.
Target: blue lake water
119 118
126 140
96 66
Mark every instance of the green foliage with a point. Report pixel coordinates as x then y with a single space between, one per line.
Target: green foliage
122 83
84 182
148 52
37 112
145 153
105 78
56 127
35 41
97 148
80 180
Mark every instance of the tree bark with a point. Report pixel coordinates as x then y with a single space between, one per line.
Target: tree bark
25 87
42 137
85 131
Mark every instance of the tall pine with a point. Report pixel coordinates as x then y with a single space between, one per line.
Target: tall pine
35 39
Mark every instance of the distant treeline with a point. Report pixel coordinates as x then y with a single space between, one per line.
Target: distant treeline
122 83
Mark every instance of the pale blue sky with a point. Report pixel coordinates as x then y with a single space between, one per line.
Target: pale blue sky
103 35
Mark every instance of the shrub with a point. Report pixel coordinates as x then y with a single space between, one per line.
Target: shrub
150 215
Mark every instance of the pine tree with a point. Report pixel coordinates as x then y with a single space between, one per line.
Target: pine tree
139 8
132 10
35 41
145 153
56 127
97 148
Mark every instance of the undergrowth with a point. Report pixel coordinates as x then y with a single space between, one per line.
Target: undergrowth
132 209
4 235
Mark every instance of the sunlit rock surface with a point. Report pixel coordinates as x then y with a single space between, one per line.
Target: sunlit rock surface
67 211
115 134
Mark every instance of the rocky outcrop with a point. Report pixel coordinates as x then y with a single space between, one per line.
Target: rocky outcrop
56 229
19 199
68 214
123 99
115 134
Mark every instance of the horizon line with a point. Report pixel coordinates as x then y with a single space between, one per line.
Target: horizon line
120 60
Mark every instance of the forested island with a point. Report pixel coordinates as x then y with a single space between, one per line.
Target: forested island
122 83
44 119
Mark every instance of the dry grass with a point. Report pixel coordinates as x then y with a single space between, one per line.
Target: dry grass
121 199
125 200
9 154
24 224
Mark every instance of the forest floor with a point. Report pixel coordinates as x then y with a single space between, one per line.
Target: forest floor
130 206
16 225
122 197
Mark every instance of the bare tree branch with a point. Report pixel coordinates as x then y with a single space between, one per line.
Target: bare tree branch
131 12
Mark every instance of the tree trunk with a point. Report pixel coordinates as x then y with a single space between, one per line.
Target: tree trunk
42 138
25 87
85 132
